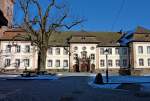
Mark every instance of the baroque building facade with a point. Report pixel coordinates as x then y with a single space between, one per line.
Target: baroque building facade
77 52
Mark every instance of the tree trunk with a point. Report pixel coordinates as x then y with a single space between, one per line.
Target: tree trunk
42 59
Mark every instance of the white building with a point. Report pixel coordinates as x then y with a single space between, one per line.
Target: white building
83 51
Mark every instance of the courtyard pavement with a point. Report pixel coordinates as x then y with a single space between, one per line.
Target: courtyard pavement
69 87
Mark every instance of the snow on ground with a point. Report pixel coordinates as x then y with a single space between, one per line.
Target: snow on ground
18 77
115 81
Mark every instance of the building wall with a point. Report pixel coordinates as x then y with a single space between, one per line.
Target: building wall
32 55
121 56
145 56
54 56
80 49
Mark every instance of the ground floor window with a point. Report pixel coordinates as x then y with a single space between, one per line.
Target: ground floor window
7 62
65 63
102 63
124 62
57 64
110 63
26 62
148 60
141 62
17 63
50 63
117 63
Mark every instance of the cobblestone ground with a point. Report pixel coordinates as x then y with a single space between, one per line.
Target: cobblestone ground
67 88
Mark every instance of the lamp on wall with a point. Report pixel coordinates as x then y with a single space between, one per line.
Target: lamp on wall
106 53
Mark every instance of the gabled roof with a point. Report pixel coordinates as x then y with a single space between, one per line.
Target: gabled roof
141 34
142 30
62 39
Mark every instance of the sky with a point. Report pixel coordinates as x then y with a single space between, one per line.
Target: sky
110 15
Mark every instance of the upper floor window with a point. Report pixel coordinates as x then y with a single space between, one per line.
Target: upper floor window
148 49
57 63
7 62
101 50
102 63
17 63
110 63
109 50
26 62
116 50
27 48
93 56
141 62
50 51
17 49
65 63
75 56
124 51
65 51
84 54
117 63
8 48
57 51
50 63
140 49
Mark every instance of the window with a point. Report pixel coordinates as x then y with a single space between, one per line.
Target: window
116 50
26 62
92 48
101 50
17 49
65 51
140 49
75 48
124 62
17 63
110 63
7 62
57 63
27 49
8 48
141 62
57 51
124 51
109 50
65 63
84 48
93 56
50 63
102 63
148 49
83 54
148 60
75 56
117 63
50 51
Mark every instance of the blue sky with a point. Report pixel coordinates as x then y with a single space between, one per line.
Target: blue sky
102 15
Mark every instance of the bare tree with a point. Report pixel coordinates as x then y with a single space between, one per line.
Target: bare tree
41 26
